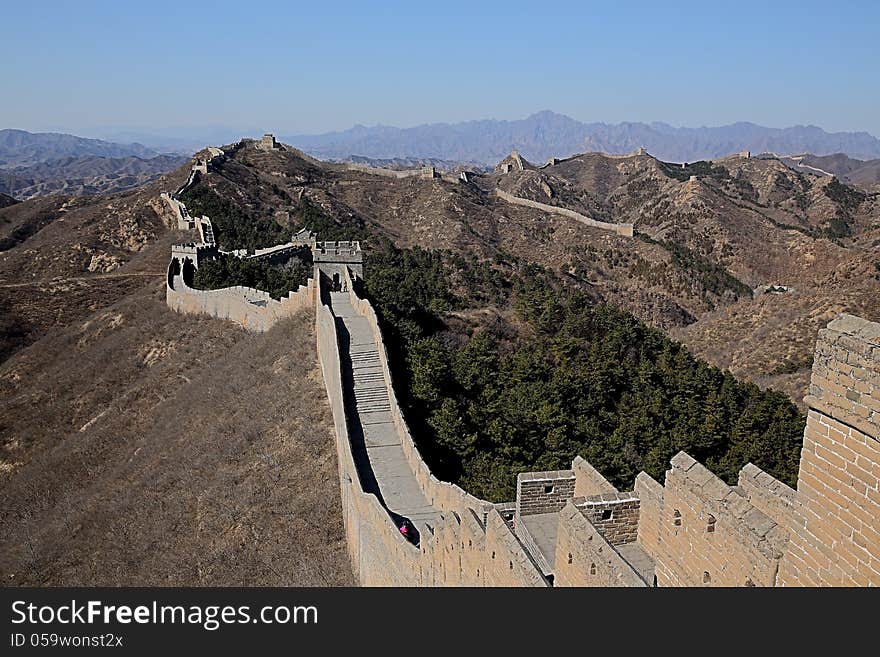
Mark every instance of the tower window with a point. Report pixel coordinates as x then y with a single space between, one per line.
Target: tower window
710 524
676 518
606 514
548 489
592 569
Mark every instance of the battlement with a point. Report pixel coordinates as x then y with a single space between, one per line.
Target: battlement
194 253
335 249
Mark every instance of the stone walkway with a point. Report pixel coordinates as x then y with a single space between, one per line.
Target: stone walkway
376 445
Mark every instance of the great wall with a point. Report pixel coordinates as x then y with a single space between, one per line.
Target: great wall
514 162
625 230
572 527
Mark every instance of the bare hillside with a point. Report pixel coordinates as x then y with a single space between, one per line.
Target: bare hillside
141 447
169 451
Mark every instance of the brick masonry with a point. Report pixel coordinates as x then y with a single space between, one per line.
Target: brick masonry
543 492
614 515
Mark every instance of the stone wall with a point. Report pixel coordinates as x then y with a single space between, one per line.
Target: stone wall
178 211
710 535
845 382
835 533
252 309
388 173
585 558
472 545
614 515
588 480
650 494
441 494
194 253
543 492
769 495
379 554
626 230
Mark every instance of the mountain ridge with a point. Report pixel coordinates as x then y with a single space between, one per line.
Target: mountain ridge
37 164
23 148
547 134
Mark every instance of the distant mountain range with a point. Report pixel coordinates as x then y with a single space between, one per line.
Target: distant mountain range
38 164
547 134
21 148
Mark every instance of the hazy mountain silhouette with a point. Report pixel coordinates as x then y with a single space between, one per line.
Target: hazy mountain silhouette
548 134
22 148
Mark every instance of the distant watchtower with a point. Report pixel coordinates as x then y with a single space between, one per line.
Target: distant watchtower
268 143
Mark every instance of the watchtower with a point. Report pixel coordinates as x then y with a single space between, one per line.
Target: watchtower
332 258
268 143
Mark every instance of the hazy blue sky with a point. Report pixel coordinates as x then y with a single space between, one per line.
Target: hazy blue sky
92 67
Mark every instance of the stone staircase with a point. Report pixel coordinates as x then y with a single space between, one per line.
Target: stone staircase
376 444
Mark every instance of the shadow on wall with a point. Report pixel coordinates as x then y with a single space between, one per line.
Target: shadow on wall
189 272
173 272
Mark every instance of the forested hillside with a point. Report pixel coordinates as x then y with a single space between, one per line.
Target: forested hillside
549 374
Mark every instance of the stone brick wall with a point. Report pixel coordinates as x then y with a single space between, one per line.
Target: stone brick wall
543 492
178 210
588 481
650 494
769 495
614 515
385 173
379 555
835 537
845 382
710 535
585 558
471 545
625 230
252 309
